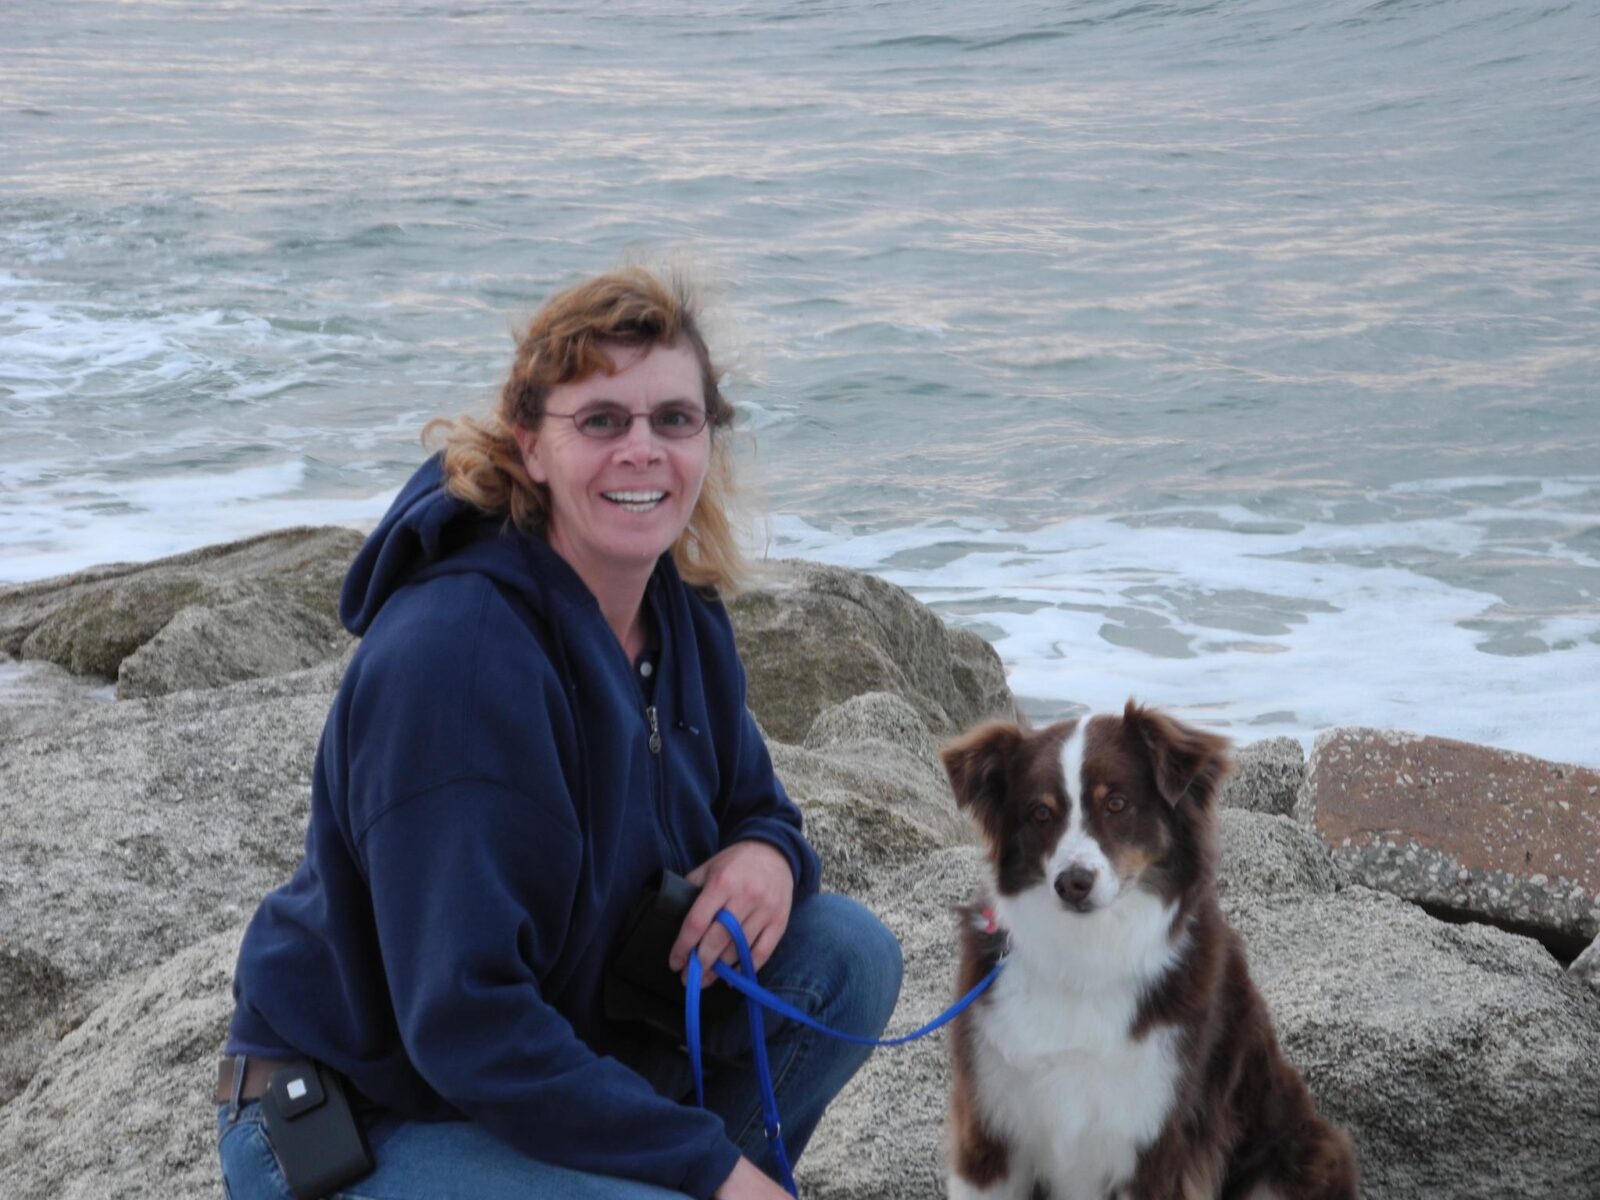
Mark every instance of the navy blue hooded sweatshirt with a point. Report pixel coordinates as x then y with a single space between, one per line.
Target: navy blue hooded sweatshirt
485 807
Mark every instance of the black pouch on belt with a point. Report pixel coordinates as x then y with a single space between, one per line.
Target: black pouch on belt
639 985
317 1139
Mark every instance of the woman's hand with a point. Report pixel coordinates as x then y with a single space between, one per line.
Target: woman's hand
751 880
748 1183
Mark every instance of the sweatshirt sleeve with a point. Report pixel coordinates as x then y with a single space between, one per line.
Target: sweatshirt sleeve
466 924
756 808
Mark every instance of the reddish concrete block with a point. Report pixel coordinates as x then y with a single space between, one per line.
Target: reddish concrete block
1488 833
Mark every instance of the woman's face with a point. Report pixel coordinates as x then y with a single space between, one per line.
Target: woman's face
616 505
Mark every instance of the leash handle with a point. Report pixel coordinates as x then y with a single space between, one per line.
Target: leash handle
757 997
758 1046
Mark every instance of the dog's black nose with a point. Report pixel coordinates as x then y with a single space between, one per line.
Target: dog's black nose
1073 884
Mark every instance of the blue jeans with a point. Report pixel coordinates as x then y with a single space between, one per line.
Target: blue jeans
836 962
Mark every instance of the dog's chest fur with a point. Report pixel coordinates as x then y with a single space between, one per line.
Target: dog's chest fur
1058 1076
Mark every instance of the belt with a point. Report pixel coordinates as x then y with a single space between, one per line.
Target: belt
257 1071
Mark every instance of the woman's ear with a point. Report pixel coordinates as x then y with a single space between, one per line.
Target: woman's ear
528 446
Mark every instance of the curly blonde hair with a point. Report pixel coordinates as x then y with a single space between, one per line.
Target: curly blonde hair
563 343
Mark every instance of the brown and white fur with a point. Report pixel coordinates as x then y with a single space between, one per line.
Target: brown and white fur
1123 1053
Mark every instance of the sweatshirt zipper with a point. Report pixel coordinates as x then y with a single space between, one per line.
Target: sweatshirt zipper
662 823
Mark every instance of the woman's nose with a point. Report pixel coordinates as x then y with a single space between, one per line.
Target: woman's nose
639 442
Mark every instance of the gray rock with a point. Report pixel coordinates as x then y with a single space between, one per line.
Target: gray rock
130 831
812 636
872 790
1266 776
122 1107
32 990
874 717
205 647
1271 855
1459 1057
91 621
1586 967
94 628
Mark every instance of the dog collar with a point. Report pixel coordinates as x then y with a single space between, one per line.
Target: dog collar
988 924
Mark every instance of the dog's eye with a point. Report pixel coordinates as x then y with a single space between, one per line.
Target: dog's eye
1115 803
1043 814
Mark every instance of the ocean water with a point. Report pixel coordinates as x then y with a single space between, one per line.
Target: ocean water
1239 356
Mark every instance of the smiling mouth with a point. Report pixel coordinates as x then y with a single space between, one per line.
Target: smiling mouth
635 502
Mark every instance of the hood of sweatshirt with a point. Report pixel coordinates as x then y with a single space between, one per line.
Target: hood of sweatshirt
429 532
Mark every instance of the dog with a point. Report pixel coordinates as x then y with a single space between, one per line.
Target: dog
1123 1053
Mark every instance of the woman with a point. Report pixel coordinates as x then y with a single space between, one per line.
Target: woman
545 712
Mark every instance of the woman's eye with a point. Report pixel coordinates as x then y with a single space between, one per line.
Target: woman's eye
601 419
671 417
1043 814
1115 804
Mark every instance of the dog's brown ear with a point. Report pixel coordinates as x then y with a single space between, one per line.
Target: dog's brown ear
1187 761
977 764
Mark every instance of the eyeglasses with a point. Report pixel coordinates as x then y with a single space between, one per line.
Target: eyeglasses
674 420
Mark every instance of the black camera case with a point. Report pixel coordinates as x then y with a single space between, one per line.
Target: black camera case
639 985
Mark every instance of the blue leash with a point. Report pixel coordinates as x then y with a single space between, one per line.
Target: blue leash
743 979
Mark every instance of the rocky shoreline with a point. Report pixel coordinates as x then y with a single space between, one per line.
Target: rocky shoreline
137 836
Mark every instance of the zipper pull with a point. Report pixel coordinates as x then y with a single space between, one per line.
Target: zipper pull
655 730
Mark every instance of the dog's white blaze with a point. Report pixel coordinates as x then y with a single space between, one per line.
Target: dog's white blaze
1076 847
1072 764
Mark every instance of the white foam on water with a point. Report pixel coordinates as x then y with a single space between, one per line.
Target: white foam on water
64 345
55 528
261 389
1569 486
1088 612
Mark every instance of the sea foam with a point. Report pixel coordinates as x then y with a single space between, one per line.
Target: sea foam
1254 633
